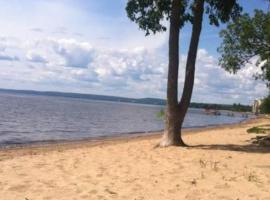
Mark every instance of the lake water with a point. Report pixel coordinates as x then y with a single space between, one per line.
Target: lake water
30 119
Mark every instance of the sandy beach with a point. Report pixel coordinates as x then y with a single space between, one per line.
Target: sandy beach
220 164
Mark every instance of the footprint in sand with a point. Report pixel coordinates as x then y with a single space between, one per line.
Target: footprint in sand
18 188
93 192
85 196
195 194
101 197
110 191
22 175
225 198
137 187
50 184
222 186
40 165
85 178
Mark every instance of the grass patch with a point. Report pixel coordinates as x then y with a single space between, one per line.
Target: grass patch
259 129
161 114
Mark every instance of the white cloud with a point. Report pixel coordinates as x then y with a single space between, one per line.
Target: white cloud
6 50
4 56
75 54
216 85
75 66
35 57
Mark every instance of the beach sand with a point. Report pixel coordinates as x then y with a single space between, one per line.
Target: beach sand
222 164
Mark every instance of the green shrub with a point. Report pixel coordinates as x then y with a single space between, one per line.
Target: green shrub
265 107
259 129
161 114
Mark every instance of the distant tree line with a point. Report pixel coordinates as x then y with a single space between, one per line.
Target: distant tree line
152 101
234 107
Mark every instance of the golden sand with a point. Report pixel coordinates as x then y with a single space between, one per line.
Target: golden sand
222 164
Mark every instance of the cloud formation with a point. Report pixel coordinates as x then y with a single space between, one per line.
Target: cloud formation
74 54
5 53
35 57
8 57
71 65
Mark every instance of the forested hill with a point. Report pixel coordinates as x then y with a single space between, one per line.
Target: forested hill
152 101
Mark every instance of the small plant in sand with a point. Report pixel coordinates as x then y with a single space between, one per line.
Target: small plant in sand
262 140
202 175
203 163
259 129
161 114
214 165
194 182
252 177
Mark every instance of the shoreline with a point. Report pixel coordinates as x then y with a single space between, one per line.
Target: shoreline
116 136
220 163
125 137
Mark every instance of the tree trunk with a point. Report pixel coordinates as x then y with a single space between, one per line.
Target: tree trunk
171 134
191 59
176 111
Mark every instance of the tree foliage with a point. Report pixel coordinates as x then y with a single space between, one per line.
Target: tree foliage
265 107
150 15
244 39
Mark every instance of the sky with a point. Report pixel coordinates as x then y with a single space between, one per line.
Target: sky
90 46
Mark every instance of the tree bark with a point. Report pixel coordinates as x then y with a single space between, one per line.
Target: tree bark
176 111
191 59
171 134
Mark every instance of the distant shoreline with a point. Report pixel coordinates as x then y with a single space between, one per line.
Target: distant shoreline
145 101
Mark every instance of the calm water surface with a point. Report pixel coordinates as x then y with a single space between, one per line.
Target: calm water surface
29 119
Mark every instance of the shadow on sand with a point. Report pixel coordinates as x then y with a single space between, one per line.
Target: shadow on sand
249 148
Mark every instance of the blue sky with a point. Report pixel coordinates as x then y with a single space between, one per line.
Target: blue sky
90 46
